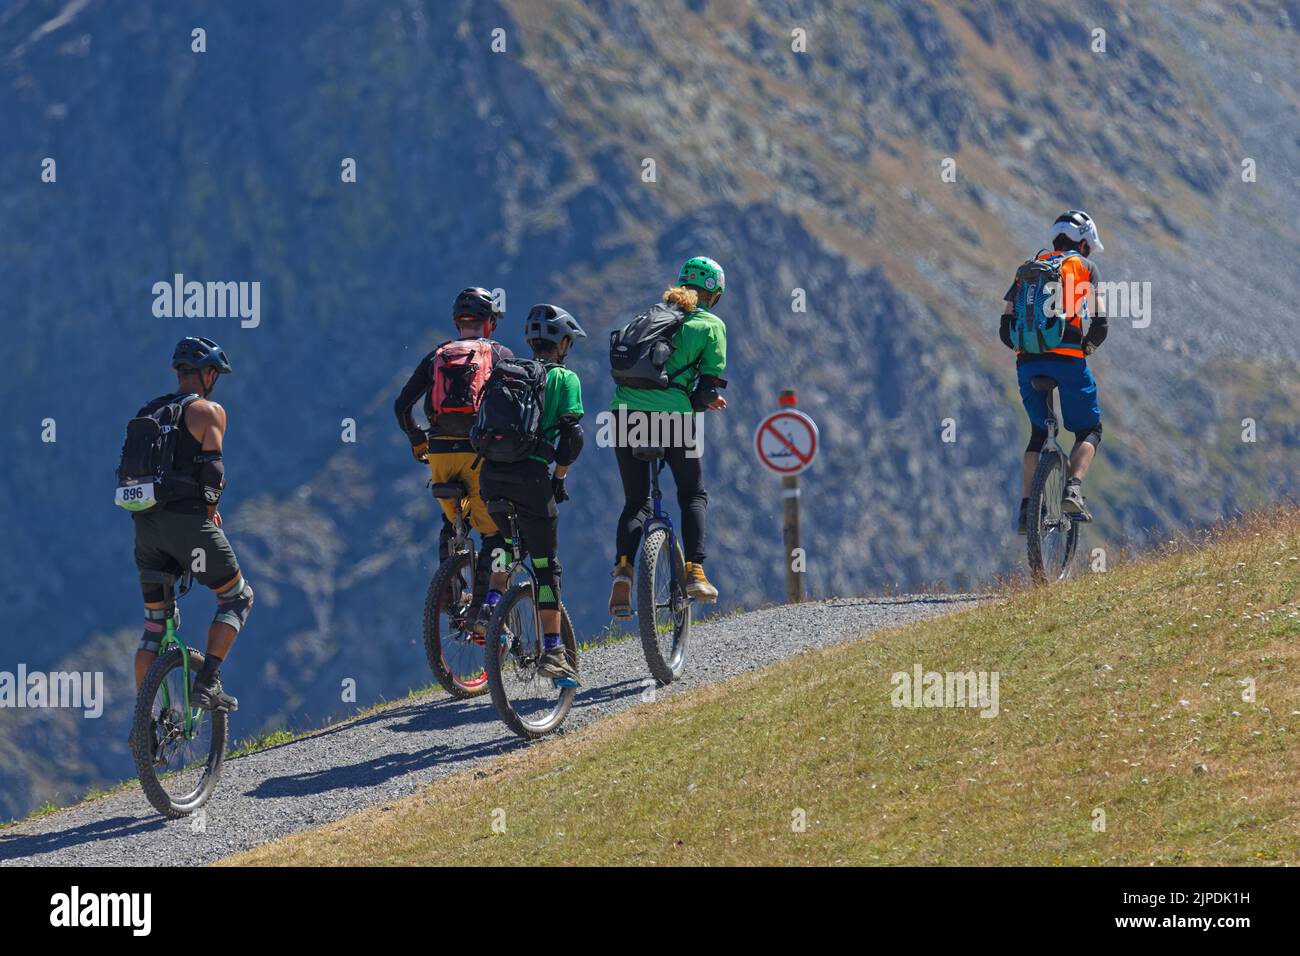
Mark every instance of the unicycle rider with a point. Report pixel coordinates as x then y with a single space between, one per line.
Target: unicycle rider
1052 296
669 361
530 417
171 476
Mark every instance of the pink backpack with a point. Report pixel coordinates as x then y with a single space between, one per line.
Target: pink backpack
460 370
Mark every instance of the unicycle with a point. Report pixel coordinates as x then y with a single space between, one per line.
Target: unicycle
663 607
1052 534
178 748
530 704
453 650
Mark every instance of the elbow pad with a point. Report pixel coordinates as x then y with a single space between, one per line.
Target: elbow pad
706 391
569 446
212 476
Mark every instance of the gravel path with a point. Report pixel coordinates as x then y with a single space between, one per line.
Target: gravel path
377 758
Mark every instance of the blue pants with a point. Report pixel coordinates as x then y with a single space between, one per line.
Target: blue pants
1075 385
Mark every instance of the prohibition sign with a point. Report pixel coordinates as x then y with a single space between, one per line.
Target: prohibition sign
786 442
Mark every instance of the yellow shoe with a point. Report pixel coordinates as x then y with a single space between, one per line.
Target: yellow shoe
698 586
620 596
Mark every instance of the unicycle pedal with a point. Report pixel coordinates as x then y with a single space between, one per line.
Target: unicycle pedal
566 683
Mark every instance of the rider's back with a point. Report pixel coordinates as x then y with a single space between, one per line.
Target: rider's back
699 348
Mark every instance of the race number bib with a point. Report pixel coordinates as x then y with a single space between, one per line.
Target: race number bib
135 497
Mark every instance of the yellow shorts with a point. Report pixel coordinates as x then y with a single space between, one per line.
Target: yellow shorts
455 466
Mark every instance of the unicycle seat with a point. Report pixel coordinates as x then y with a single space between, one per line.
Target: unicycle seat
648 453
167 579
454 490
174 583
1042 383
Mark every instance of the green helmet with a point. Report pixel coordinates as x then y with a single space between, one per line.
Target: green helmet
701 272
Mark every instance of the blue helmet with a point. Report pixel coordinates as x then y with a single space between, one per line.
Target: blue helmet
195 352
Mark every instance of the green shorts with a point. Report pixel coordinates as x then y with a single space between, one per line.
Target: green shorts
172 542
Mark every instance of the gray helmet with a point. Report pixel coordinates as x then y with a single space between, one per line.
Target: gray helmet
550 323
195 352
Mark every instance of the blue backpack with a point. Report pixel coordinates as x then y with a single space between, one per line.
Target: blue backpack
1038 284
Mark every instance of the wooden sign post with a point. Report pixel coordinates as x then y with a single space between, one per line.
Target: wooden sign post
786 444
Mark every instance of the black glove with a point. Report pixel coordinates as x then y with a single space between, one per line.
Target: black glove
1096 334
706 392
557 488
1004 331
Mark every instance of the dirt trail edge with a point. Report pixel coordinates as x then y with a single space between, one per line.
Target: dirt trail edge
373 759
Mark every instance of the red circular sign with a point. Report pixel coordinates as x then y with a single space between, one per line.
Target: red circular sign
786 442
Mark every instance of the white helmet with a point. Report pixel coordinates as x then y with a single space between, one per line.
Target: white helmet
1077 226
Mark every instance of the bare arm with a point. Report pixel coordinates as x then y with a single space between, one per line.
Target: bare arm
207 423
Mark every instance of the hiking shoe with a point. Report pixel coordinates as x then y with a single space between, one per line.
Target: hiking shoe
554 664
698 586
479 618
620 595
212 697
1023 526
1072 500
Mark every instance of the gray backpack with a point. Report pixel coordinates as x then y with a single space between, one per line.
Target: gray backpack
639 351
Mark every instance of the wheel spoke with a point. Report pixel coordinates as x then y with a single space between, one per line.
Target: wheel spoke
528 702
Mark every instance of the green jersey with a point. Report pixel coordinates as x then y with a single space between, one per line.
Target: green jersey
563 397
699 348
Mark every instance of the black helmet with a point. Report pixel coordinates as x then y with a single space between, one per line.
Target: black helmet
477 303
194 352
550 323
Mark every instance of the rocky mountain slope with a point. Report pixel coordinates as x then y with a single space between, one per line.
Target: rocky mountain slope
819 171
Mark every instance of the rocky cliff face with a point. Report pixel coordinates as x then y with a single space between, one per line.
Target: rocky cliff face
819 171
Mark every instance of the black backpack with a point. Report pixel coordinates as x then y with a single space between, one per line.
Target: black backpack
639 350
509 423
148 473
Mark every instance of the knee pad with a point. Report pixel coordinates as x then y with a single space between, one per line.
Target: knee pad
1037 438
493 549
548 572
234 604
1090 435
155 624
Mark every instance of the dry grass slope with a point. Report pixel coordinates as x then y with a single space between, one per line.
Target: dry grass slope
1121 692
